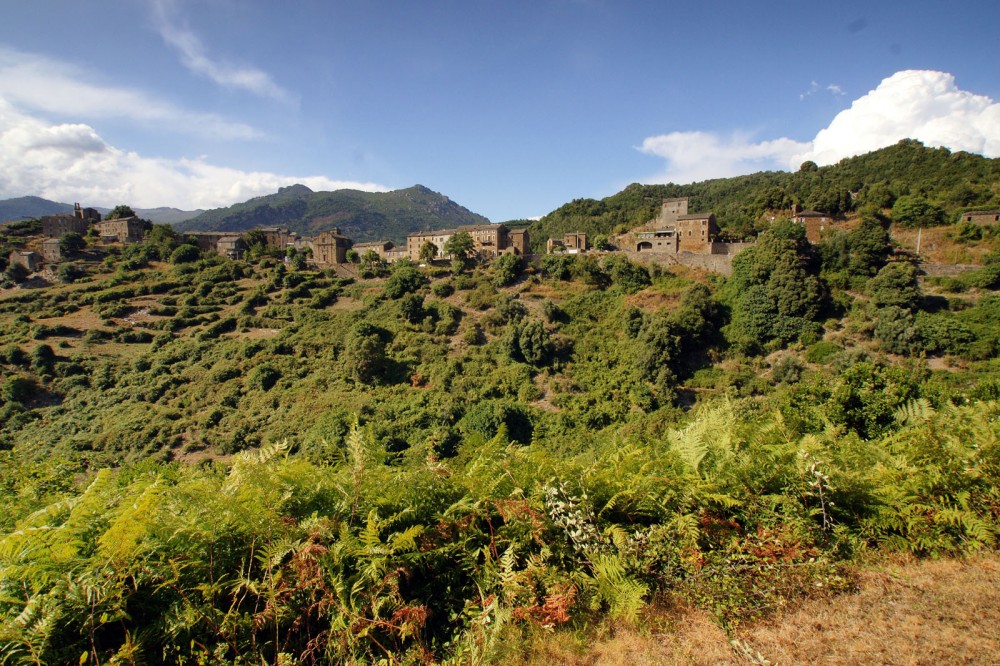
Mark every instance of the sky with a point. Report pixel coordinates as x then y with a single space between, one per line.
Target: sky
509 108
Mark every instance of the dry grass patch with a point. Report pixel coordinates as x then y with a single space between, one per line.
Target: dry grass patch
910 612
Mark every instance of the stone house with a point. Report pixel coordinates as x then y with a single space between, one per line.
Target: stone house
489 240
57 226
230 246
981 217
576 241
51 252
815 223
122 230
696 233
381 248
518 242
415 241
330 248
30 260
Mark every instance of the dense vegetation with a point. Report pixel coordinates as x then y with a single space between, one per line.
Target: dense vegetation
362 216
932 186
209 461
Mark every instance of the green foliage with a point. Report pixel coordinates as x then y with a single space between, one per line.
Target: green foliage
775 292
506 269
912 211
120 211
895 285
404 280
71 244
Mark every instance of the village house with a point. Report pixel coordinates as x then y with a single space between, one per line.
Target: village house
51 252
518 242
30 260
489 240
571 243
57 226
981 217
381 248
330 248
415 242
815 223
122 230
696 233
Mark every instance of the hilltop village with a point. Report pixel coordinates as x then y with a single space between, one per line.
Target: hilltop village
675 236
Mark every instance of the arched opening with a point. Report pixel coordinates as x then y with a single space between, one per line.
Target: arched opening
644 246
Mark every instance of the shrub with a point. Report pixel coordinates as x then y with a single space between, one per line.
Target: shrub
263 377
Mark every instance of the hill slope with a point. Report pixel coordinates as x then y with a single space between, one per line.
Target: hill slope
953 181
363 216
21 208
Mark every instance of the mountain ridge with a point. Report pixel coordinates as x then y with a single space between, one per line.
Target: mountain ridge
363 216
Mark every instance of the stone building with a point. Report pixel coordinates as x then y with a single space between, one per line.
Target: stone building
51 252
30 260
981 217
330 248
576 241
381 248
415 241
815 223
489 240
518 242
696 233
57 226
671 210
122 230
230 246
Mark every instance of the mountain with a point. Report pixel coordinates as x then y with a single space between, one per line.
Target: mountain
164 215
952 181
362 216
20 208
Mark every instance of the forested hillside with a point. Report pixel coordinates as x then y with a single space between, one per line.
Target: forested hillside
206 460
935 182
362 216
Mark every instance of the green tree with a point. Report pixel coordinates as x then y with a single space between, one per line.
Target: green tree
870 248
185 254
71 243
896 285
428 252
119 212
460 246
911 211
364 353
506 269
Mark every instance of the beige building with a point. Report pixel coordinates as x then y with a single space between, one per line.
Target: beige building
57 226
981 217
51 252
30 260
815 223
415 241
381 248
122 230
696 232
518 242
330 248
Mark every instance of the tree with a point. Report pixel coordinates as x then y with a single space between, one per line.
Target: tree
406 279
870 247
428 251
352 256
506 269
185 254
364 353
896 285
71 243
119 212
911 211
460 246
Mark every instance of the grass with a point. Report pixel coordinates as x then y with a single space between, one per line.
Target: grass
905 612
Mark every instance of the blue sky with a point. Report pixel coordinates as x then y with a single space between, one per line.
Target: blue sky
509 108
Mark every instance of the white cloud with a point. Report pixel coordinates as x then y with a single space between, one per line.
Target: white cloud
60 88
193 56
694 156
912 104
71 162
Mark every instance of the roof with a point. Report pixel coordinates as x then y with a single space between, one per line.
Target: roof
810 213
981 212
51 241
438 232
696 216
481 227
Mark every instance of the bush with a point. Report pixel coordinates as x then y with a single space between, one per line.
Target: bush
17 389
263 377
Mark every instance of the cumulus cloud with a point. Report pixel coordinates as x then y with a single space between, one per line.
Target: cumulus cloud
71 162
194 57
59 88
923 105
913 104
